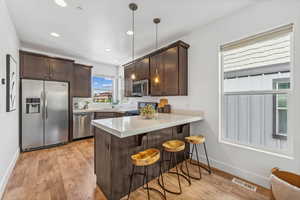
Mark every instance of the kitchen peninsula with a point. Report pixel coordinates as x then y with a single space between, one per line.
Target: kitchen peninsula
116 139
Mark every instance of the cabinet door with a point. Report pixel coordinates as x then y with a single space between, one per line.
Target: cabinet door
157 75
142 69
171 78
34 66
128 71
61 70
82 81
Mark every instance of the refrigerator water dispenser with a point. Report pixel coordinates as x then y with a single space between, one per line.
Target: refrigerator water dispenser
33 105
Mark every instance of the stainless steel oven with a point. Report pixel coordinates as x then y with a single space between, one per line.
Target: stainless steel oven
140 88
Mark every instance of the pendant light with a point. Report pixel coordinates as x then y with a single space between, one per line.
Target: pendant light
156 22
133 7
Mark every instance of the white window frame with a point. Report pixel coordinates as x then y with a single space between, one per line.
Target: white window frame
114 90
288 154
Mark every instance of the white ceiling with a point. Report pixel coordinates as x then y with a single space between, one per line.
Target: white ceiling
102 24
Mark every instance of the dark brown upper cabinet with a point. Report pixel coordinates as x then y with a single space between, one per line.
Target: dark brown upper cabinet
156 74
168 71
82 81
34 66
61 70
129 70
42 67
142 69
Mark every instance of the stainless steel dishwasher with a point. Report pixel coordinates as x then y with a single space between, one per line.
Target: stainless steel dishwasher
82 125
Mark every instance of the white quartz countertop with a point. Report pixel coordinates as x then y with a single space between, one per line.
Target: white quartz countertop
118 110
134 125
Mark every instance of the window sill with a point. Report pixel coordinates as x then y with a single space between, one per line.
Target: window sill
281 155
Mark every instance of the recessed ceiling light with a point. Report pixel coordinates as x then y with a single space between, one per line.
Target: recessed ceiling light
130 32
61 3
55 34
107 50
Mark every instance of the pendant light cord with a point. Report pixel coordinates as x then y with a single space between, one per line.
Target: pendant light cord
156 35
133 35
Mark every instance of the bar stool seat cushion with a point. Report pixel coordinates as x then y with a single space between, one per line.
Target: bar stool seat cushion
195 139
146 158
174 145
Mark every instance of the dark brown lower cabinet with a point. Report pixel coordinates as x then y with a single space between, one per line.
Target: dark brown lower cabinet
112 158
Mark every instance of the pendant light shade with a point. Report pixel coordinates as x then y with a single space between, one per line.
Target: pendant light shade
156 22
133 7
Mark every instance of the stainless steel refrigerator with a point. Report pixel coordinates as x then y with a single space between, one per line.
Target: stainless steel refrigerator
45 113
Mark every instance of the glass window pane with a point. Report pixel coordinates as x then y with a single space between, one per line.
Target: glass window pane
102 89
282 121
282 100
284 85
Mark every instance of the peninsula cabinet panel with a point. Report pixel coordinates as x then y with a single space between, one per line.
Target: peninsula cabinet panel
34 66
82 81
61 70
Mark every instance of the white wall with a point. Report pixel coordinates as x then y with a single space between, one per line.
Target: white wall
204 87
9 122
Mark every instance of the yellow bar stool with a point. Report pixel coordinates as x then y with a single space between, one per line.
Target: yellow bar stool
145 159
173 147
197 140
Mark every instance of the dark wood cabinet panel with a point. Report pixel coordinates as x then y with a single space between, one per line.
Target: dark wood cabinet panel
105 115
82 81
142 69
156 72
128 71
61 70
183 71
171 72
34 66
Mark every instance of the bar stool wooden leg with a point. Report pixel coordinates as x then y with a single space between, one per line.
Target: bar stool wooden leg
209 169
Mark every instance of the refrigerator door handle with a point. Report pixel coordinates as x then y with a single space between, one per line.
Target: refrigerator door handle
42 100
46 106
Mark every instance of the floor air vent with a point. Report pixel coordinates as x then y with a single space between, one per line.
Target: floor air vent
244 184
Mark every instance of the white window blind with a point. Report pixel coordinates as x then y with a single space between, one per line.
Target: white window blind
263 49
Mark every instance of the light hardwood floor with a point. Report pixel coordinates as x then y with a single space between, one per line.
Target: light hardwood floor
66 172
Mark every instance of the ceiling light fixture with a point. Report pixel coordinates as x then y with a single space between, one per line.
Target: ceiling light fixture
107 50
133 7
54 34
130 32
61 3
156 22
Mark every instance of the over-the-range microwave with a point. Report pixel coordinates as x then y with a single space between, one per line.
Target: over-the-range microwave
140 88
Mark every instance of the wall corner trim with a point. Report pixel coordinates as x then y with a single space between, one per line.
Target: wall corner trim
8 173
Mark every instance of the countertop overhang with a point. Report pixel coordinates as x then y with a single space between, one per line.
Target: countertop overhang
134 125
115 110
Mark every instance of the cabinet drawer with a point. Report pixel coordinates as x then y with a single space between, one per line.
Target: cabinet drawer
105 115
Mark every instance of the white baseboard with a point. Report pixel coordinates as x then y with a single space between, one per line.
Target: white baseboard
5 178
244 174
